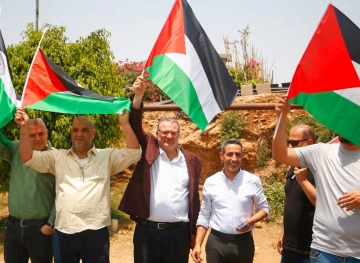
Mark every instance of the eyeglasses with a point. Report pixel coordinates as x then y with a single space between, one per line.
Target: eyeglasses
295 143
165 133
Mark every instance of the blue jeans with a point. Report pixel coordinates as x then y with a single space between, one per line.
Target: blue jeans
56 247
288 256
318 256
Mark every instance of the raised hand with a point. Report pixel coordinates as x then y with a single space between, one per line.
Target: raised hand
21 118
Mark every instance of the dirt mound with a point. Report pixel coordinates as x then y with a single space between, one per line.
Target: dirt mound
261 124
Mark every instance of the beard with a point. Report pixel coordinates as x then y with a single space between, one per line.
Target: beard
344 140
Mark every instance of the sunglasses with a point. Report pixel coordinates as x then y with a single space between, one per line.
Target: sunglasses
295 143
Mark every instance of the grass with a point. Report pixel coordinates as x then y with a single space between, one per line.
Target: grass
117 190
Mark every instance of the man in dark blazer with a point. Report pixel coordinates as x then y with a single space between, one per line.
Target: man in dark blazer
162 195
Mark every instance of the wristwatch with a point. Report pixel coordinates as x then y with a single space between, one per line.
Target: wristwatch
51 225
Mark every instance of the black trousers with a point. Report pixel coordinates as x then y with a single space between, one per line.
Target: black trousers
91 246
220 249
152 245
24 242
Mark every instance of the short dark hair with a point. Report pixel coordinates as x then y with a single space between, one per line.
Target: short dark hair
230 141
168 120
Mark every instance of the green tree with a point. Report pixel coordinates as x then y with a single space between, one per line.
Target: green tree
89 61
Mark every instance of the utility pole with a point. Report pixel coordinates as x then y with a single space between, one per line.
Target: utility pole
37 15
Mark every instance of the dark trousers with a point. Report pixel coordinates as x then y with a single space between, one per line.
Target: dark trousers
91 246
220 249
288 256
22 243
152 245
56 248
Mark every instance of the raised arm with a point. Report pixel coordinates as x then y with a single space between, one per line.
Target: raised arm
130 137
22 119
280 151
139 89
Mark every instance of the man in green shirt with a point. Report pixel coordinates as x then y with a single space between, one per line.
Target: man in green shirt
30 225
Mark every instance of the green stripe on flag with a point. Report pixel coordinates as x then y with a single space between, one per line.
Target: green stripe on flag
334 111
71 104
7 107
176 84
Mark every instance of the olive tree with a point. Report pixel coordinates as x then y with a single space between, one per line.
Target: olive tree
89 61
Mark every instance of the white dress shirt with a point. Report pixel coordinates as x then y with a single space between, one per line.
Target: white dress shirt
169 196
227 203
83 187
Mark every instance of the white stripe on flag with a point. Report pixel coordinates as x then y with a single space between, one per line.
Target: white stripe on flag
191 65
6 79
352 94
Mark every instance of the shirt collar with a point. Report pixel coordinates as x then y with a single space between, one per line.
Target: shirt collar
237 177
180 155
71 150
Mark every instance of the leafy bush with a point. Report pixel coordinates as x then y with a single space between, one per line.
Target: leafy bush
275 196
263 152
322 133
231 125
130 70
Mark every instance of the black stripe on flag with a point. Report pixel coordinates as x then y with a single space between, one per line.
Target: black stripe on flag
222 85
71 85
351 35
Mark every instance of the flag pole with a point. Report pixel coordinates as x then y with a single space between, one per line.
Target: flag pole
281 113
28 75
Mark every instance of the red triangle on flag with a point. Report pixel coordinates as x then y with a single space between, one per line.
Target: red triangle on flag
326 64
172 36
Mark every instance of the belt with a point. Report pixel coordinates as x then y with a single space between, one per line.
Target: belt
161 225
27 223
231 237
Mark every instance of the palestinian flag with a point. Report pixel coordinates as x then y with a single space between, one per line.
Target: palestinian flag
186 66
48 88
327 80
7 92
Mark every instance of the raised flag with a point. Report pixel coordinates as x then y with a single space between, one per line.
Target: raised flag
185 65
48 88
7 92
327 80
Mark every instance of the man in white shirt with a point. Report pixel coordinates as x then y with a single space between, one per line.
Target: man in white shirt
229 198
82 185
162 195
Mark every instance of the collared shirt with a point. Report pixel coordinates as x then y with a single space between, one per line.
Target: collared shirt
169 197
31 194
83 189
227 203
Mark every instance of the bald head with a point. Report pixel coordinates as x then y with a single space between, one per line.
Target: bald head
37 122
84 120
82 134
305 130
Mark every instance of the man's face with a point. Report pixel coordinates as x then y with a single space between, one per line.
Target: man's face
38 137
168 135
232 158
82 134
296 139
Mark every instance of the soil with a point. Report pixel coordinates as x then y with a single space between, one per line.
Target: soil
265 238
121 246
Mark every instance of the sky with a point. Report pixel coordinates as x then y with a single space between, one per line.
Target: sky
280 30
